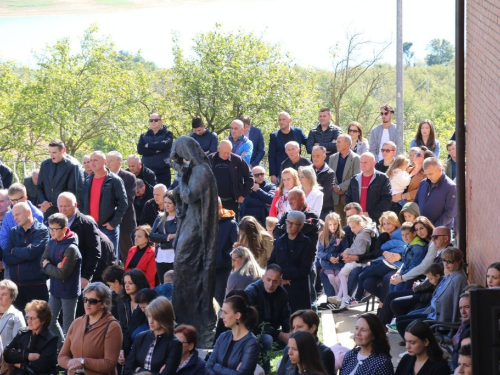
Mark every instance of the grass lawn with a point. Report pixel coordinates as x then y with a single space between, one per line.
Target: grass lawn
25 3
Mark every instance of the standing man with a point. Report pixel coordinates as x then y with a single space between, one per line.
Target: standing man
142 195
242 146
389 151
104 198
259 201
57 174
85 227
294 159
345 163
205 138
386 131
153 206
6 176
4 204
257 139
437 195
326 178
31 186
127 227
22 254
277 142
140 171
86 166
234 177
370 188
154 146
324 134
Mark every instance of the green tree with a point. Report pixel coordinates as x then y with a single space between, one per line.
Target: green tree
408 53
441 52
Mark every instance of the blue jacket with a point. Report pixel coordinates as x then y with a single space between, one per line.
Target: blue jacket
438 203
195 366
325 252
324 138
158 149
228 235
208 141
23 252
259 148
257 204
413 255
8 223
276 154
243 144
245 352
64 281
392 244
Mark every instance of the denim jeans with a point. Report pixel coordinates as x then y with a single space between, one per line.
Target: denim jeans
370 280
113 235
68 307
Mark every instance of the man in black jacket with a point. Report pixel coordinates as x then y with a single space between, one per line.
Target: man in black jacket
140 171
142 195
128 225
57 174
326 179
153 206
104 198
324 134
370 188
234 177
6 176
271 301
30 183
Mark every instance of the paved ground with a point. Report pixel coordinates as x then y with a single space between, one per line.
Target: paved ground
339 327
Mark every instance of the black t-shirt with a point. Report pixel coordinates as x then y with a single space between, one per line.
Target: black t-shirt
288 137
223 177
137 257
381 167
228 353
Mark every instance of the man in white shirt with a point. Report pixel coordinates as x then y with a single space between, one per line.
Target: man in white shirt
384 132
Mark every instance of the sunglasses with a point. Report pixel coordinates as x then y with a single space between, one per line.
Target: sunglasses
259 174
353 131
154 119
447 261
435 236
384 113
386 150
92 301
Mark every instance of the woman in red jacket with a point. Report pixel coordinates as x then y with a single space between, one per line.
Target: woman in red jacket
142 255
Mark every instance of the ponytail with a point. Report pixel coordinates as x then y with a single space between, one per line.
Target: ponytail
249 315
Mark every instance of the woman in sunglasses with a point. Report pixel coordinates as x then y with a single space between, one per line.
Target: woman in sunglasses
359 144
34 349
94 340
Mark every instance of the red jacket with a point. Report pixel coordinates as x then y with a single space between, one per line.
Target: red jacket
147 263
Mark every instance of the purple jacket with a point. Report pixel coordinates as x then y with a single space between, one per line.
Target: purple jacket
438 203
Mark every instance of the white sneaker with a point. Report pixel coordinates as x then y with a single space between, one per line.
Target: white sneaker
334 299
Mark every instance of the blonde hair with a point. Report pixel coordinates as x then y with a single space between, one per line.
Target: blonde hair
250 267
358 219
161 310
398 162
295 176
252 235
339 233
271 221
391 218
310 175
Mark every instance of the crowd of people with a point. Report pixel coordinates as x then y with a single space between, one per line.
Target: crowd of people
88 252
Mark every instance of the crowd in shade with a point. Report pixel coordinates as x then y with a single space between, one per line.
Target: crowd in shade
88 255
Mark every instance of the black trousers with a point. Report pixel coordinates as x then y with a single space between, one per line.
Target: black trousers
29 293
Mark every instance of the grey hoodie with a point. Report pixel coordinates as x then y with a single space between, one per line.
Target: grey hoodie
363 240
410 207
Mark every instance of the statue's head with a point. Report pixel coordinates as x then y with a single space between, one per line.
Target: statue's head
186 149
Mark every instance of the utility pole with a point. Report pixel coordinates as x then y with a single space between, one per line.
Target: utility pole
399 78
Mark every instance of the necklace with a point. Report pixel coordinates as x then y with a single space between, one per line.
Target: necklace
90 326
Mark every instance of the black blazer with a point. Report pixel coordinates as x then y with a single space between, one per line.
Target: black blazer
89 243
45 344
128 223
167 351
429 368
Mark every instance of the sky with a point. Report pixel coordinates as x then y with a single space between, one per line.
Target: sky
305 29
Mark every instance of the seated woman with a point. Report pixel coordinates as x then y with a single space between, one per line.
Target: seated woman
254 237
313 191
156 350
308 320
11 319
492 275
34 349
130 314
304 355
163 234
246 270
371 356
444 303
237 350
191 363
113 277
425 356
93 341
289 180
142 255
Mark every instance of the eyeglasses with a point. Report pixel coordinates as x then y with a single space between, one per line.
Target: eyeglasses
154 119
14 201
54 229
384 113
353 131
30 318
435 236
288 222
92 301
386 150
259 175
447 261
